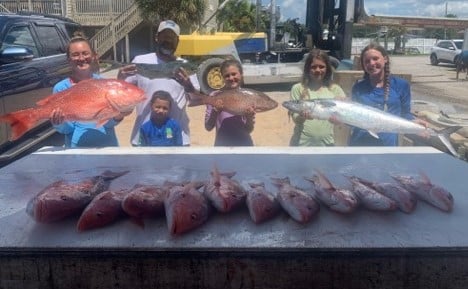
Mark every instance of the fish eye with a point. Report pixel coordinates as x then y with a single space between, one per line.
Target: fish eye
194 216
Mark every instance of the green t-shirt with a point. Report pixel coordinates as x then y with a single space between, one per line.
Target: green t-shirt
314 132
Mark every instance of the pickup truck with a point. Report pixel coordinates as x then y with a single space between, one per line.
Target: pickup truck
32 60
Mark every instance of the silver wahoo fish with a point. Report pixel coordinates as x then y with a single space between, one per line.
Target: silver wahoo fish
366 117
152 71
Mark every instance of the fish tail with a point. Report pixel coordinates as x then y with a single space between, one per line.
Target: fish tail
20 122
196 99
110 175
444 135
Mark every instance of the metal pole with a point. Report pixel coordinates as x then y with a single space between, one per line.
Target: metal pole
272 24
445 28
347 30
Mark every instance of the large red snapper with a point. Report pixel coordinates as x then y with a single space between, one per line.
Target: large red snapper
336 199
237 101
92 100
426 191
298 204
224 193
405 200
144 202
62 199
262 204
104 209
186 208
371 198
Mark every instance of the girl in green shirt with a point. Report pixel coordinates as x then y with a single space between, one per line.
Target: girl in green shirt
316 83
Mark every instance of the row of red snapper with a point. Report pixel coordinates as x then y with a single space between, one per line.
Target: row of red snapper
186 206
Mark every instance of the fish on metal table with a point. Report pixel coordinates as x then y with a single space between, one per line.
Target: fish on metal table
370 198
103 210
237 101
262 204
426 191
91 100
224 193
300 205
406 201
63 199
144 201
366 117
186 208
336 199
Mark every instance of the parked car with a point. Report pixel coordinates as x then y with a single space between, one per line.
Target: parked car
32 61
446 51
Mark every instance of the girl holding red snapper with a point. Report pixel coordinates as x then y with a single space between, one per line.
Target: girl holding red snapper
231 130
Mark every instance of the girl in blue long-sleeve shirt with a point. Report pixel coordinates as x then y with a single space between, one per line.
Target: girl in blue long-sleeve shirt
381 90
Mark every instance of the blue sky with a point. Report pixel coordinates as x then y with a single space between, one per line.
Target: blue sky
427 8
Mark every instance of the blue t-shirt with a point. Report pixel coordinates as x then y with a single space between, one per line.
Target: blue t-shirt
168 134
398 103
85 134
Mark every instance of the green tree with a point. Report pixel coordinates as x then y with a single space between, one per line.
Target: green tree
237 17
442 33
187 13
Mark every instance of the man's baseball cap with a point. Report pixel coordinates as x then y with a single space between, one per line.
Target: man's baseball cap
169 24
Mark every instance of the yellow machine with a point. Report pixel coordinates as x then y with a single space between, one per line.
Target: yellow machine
260 65
209 50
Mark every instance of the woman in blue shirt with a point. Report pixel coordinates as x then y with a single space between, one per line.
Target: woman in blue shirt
83 62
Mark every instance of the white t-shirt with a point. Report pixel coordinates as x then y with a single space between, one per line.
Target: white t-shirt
176 90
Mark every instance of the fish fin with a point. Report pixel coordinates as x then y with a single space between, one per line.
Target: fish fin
195 184
228 174
326 102
425 178
280 181
444 134
51 98
364 181
373 134
216 176
101 122
20 122
257 184
323 180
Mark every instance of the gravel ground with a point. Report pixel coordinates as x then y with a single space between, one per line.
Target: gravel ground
436 84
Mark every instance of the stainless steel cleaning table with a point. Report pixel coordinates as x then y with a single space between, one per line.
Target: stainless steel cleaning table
425 249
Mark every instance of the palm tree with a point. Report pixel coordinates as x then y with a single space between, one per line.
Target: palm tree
237 17
187 13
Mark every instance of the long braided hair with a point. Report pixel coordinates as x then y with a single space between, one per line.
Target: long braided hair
323 56
384 53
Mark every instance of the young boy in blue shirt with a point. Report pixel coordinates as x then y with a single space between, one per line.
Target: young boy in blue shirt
160 129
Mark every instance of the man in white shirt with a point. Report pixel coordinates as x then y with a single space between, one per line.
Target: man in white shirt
167 39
